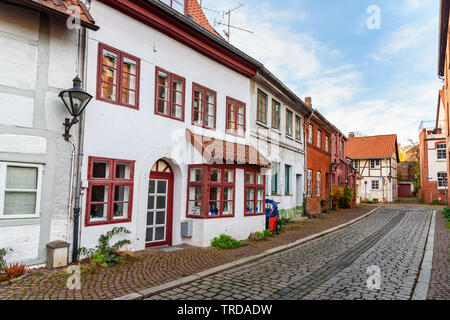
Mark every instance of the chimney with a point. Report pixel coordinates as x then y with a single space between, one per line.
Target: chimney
308 101
351 135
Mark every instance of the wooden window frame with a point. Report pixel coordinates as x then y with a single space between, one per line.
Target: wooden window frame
376 166
378 184
289 123
276 116
119 85
236 117
311 134
170 100
298 128
441 151
255 187
259 106
204 106
442 183
111 182
206 185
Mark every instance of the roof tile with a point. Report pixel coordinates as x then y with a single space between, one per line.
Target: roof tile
375 147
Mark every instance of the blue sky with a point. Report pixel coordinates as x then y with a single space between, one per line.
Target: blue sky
370 81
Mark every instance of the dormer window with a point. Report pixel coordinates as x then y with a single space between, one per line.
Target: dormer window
178 5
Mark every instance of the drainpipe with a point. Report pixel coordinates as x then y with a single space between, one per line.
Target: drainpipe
77 207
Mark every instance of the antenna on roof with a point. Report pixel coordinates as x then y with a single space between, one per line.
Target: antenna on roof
228 24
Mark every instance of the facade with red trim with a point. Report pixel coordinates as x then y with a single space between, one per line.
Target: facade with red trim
167 139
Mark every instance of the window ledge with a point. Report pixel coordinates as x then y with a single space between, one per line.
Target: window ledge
262 124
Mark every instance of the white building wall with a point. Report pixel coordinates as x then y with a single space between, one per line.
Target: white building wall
38 59
118 132
434 165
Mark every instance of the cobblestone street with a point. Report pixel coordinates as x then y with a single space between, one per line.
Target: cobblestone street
330 267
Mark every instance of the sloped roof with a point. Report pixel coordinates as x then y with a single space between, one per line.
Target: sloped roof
374 147
196 12
216 151
59 8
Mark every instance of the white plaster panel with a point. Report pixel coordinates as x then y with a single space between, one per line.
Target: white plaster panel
18 63
22 144
16 110
23 240
19 21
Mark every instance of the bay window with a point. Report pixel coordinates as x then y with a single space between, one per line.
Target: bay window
211 191
110 192
170 95
254 193
235 123
118 77
20 190
203 107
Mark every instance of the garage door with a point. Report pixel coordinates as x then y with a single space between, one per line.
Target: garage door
404 190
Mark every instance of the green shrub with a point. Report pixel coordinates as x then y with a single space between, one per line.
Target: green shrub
3 253
225 242
304 207
446 213
260 236
435 203
342 197
104 254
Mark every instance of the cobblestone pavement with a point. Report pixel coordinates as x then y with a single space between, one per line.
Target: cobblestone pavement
440 275
331 267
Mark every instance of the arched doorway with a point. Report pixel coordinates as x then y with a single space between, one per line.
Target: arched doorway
160 205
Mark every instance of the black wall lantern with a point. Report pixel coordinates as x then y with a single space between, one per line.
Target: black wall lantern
75 100
334 165
390 177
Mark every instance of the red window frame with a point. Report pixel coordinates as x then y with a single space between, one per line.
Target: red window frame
111 182
119 76
204 106
170 102
206 186
235 119
255 187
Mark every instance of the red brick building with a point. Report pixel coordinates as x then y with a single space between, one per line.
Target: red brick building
318 134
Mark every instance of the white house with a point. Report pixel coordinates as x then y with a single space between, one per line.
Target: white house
277 129
167 139
376 158
39 57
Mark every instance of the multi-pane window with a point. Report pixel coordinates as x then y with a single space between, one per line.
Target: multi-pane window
319 139
275 172
327 143
20 189
235 117
298 128
289 119
442 179
355 164
310 134
254 193
118 77
170 92
203 107
276 114
375 164
110 192
262 107
178 5
375 185
441 149
309 182
287 180
211 191
318 184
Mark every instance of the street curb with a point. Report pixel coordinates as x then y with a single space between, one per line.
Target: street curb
424 279
143 294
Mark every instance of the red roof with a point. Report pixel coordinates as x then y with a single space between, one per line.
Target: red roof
59 7
216 151
375 147
195 10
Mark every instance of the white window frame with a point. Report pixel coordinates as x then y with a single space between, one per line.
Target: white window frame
439 179
319 139
319 184
378 185
355 164
440 151
309 183
327 143
3 171
310 134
